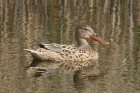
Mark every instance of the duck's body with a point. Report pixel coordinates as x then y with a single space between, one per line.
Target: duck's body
64 53
58 52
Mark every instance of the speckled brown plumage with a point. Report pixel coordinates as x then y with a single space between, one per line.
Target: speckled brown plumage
59 52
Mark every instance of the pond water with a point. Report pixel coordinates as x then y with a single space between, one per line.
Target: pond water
53 21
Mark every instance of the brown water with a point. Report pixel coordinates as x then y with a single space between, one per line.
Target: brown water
54 21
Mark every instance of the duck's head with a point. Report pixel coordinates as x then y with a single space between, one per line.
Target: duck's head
85 31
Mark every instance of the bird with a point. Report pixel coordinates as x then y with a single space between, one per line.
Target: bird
62 52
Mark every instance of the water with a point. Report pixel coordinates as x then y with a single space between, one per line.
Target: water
117 69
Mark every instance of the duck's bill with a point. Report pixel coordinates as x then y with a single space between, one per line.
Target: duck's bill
98 39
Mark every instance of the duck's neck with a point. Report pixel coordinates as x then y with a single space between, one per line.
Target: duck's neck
83 44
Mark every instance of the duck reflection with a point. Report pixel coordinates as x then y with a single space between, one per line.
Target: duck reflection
77 77
83 77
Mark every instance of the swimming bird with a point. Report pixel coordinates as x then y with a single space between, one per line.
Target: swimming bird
62 52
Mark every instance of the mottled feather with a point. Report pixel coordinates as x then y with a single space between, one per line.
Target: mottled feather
60 52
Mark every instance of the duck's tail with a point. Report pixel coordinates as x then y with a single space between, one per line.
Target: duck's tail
35 54
43 54
29 50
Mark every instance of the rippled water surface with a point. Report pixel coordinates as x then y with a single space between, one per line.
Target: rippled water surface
53 21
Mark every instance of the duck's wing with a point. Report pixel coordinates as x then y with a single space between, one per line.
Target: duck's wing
53 47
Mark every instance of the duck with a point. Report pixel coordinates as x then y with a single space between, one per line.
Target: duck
62 52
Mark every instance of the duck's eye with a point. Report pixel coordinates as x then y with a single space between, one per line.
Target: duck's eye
96 35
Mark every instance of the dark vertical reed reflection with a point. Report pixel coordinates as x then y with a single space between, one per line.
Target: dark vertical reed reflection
78 81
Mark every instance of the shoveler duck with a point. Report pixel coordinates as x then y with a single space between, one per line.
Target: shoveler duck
61 52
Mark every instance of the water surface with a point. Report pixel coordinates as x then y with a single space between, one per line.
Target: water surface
23 21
